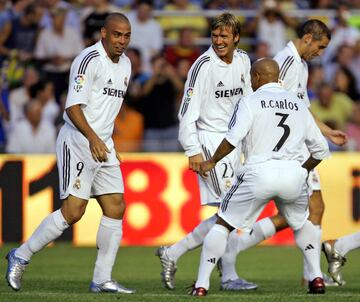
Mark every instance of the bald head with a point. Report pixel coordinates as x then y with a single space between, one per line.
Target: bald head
264 71
116 17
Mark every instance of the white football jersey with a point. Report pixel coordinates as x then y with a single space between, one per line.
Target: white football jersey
99 85
274 124
211 91
293 72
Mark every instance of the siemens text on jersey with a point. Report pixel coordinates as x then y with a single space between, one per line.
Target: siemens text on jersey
228 92
114 92
283 104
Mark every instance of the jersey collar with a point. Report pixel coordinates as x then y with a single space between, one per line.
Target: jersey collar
216 58
294 51
100 48
269 85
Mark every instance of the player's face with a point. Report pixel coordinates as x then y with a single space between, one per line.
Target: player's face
116 37
223 43
314 48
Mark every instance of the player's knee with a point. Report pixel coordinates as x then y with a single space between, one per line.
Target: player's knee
116 208
74 214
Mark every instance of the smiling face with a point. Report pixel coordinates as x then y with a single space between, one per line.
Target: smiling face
116 37
224 43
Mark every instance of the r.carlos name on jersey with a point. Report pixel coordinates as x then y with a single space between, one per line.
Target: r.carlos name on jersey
114 92
228 92
279 104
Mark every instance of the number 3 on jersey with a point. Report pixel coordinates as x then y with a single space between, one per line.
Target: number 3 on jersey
286 131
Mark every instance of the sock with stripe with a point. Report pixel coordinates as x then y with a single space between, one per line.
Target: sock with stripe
213 248
237 243
308 240
192 240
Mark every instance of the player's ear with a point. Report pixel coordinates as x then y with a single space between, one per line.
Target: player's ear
307 38
103 32
237 39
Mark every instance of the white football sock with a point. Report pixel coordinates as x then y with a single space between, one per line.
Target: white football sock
261 230
308 240
49 229
213 248
347 243
192 240
108 241
305 263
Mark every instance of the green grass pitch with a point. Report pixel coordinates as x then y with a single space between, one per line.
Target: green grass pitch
63 273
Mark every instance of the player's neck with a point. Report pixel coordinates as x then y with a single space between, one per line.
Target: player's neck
299 47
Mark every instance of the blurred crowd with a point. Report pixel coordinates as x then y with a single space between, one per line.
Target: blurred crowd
40 38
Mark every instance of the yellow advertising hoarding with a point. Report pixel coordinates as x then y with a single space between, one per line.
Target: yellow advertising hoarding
162 199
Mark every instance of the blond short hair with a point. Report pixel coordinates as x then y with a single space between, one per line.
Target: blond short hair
227 20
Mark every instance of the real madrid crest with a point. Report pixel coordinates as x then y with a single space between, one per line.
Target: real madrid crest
228 184
77 184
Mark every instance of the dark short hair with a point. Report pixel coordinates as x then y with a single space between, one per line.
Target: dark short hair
116 16
316 28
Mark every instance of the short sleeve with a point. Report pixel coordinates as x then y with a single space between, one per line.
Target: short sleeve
82 75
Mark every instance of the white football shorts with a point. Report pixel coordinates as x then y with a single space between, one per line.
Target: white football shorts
222 177
281 180
314 181
79 174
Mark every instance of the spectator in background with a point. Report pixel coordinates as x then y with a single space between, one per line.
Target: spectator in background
146 32
345 82
332 108
71 19
185 48
56 48
342 33
182 69
158 106
43 92
316 78
20 96
172 24
32 134
138 77
271 25
128 130
94 19
345 58
353 130
24 31
261 51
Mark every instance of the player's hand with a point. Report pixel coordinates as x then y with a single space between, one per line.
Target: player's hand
205 167
194 162
98 149
337 137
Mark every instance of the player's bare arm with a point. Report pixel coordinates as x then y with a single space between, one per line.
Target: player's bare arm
224 149
335 136
97 146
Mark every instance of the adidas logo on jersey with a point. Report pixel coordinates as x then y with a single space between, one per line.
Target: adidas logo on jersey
109 82
212 260
220 84
309 247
